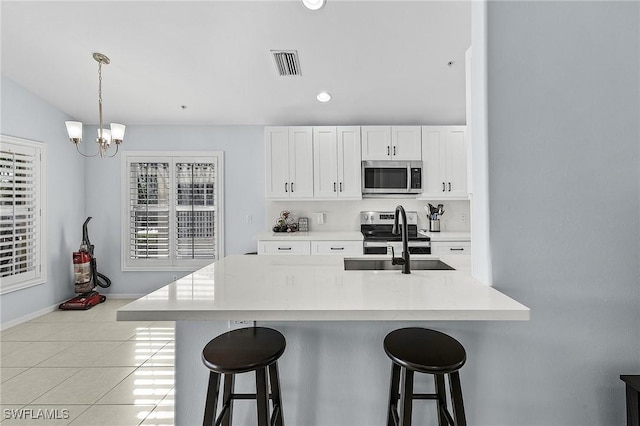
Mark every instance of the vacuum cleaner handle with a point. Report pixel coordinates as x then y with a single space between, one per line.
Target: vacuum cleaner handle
85 234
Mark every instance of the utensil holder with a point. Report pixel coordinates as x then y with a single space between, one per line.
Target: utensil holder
434 225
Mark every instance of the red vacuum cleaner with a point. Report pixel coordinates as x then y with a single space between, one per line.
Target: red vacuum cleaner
86 276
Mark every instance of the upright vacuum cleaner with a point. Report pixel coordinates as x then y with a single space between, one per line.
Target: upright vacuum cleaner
86 276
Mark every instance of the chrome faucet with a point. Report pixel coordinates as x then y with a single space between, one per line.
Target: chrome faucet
404 260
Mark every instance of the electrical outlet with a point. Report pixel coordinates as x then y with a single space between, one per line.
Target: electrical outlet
249 219
233 324
174 278
463 218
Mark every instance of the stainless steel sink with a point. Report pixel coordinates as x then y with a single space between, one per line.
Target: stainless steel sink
385 265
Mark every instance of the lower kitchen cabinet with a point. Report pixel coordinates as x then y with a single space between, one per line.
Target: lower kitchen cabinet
339 248
440 248
284 247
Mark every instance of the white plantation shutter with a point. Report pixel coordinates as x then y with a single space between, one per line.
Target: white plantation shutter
21 223
173 205
195 210
150 211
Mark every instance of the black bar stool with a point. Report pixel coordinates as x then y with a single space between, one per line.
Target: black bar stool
241 351
430 352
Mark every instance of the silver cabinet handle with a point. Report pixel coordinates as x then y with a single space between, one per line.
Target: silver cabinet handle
456 249
286 187
337 248
284 248
340 186
443 187
388 150
291 186
449 186
394 150
334 187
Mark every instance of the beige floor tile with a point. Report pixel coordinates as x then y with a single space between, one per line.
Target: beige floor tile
165 357
29 385
113 415
34 415
8 411
33 354
38 332
86 387
91 332
155 333
6 332
130 354
145 386
8 347
80 354
8 372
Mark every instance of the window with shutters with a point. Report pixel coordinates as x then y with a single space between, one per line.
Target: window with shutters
173 217
22 232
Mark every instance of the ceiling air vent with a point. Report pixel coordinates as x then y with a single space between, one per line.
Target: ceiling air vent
287 62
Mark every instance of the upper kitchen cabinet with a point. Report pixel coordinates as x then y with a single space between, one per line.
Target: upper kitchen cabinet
336 162
391 143
445 164
289 162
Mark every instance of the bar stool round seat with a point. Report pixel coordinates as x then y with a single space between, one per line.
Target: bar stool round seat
424 351
241 351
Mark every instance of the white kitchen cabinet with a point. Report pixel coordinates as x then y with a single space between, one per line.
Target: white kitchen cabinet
284 247
441 248
391 143
289 162
445 164
336 162
339 248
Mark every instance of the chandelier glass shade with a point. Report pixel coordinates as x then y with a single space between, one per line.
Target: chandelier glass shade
114 134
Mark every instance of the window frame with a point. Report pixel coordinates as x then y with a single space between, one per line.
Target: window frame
171 157
21 281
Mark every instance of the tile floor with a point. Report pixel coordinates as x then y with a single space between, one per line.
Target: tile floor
84 368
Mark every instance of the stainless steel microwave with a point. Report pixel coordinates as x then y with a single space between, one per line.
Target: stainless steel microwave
391 177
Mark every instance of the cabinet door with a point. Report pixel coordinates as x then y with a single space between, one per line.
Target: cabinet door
284 247
300 162
406 143
456 152
337 248
276 162
349 163
441 248
376 142
433 162
325 162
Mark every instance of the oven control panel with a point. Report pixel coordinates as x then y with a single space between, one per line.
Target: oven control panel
385 218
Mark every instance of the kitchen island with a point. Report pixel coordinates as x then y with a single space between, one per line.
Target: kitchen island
334 371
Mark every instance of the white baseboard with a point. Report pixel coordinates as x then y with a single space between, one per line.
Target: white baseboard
123 296
29 317
52 308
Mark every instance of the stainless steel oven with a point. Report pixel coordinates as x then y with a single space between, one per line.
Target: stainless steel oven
376 230
391 177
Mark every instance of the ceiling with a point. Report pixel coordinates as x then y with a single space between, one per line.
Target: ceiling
384 62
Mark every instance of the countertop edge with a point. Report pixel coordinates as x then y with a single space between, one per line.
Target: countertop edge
335 315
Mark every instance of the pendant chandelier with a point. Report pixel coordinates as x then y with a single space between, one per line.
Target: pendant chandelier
114 134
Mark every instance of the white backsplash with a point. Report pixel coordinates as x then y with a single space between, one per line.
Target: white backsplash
345 215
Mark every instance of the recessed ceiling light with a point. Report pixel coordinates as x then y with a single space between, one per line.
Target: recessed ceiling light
313 4
323 97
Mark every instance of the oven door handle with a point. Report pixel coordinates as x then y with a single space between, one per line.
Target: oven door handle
384 243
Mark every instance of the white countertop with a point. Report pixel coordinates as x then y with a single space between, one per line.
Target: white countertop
317 288
311 236
456 236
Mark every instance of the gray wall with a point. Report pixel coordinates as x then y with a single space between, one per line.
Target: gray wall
26 116
563 95
243 148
